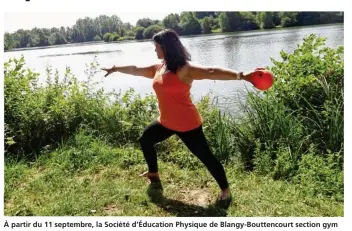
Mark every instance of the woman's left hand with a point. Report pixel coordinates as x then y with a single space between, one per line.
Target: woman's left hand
108 70
247 76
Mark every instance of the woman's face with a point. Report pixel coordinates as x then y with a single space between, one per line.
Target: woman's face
159 51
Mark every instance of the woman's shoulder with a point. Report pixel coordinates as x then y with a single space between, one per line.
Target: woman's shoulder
184 69
183 73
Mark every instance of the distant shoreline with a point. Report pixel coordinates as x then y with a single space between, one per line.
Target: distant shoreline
214 32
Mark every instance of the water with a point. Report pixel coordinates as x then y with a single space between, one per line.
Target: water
242 51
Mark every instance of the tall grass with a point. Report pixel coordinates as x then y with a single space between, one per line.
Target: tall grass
298 124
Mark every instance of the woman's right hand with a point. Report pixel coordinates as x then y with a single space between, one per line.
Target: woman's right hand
109 70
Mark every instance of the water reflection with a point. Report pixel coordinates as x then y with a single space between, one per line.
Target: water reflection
81 53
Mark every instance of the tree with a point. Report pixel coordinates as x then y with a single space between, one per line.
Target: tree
69 33
206 25
249 21
288 18
190 25
224 22
34 40
63 31
104 22
123 32
308 18
277 19
187 23
139 32
90 29
77 35
116 24
9 41
114 37
127 26
203 14
97 38
331 17
266 20
58 38
151 30
215 23
79 31
172 21
106 37
145 22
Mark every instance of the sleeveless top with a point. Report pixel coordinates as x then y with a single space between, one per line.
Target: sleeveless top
177 111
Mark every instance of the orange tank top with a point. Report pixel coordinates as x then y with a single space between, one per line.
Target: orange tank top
177 111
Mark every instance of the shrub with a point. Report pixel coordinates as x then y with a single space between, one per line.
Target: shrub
304 108
151 30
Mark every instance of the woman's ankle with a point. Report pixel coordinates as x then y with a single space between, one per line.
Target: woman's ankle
153 174
225 193
150 174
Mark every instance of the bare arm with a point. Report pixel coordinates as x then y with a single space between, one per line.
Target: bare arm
148 71
214 73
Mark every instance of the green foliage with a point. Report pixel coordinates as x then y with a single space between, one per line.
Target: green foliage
310 82
288 18
106 37
235 21
139 32
267 125
126 38
9 42
97 38
110 186
204 14
206 25
13 175
172 21
190 24
146 22
331 17
250 21
80 153
224 22
296 127
38 117
277 19
322 174
266 19
114 37
214 22
151 30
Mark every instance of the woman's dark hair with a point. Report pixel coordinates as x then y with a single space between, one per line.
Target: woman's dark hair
175 54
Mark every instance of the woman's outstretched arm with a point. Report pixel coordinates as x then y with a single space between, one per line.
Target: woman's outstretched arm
197 72
148 71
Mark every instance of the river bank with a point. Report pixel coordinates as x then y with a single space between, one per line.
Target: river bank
214 32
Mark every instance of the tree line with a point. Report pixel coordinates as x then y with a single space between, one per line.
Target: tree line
112 28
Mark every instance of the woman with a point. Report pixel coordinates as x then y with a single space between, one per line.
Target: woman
172 81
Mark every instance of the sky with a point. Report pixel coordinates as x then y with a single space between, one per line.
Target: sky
29 20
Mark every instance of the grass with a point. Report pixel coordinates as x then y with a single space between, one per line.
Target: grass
90 178
217 30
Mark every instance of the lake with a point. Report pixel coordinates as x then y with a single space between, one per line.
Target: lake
242 51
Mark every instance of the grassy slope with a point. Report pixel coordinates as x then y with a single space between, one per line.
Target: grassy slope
92 178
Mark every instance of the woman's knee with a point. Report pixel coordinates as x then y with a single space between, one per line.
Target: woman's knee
144 139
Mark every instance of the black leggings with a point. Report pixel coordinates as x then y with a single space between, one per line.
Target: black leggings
195 142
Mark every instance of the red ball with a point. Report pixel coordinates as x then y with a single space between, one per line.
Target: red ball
262 79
